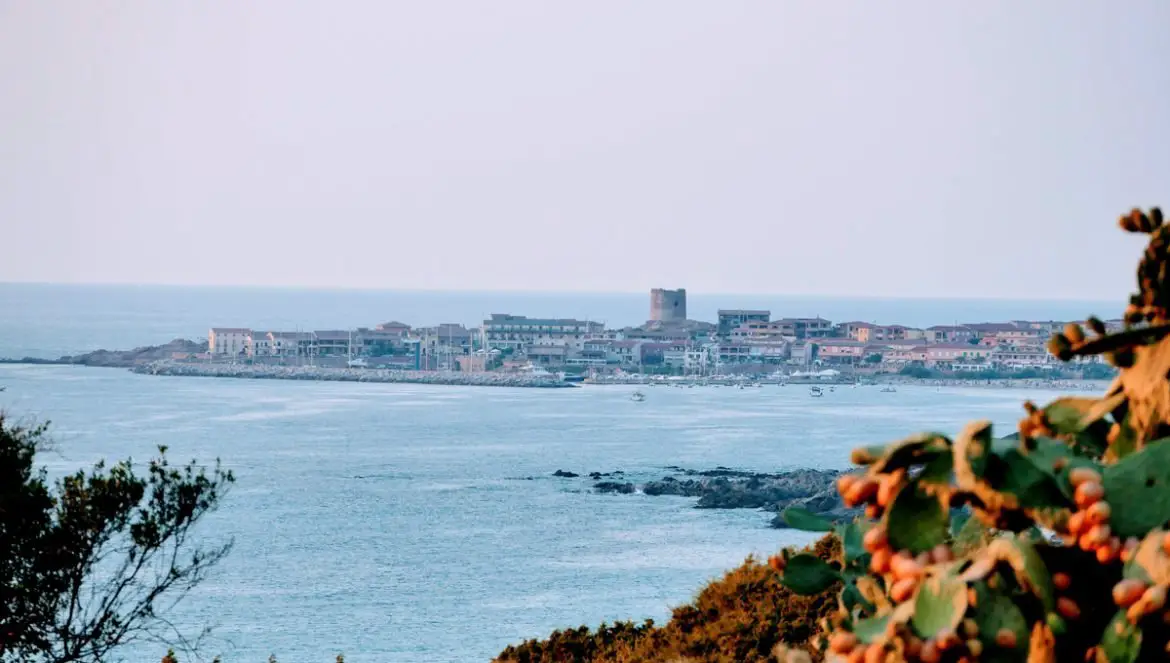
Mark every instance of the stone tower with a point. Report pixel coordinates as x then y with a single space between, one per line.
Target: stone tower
668 305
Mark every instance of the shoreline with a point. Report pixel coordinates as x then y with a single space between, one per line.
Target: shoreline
322 374
387 376
1062 384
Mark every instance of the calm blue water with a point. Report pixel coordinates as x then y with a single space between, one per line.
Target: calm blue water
391 522
51 320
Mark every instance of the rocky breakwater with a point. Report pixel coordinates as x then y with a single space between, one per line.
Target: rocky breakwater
253 372
724 488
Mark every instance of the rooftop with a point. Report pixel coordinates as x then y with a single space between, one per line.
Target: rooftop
506 318
817 319
292 336
744 311
994 327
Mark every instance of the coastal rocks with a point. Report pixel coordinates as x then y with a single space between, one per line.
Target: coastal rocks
256 372
137 356
614 487
596 476
725 488
123 358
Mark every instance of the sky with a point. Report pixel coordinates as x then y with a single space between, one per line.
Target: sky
910 149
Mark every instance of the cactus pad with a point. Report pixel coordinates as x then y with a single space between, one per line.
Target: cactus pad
803 519
808 574
1121 641
872 629
994 613
939 605
1079 420
851 536
1138 488
916 521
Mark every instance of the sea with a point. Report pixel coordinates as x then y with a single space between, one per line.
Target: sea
410 523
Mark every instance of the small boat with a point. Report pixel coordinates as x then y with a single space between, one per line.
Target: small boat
637 397
816 392
889 389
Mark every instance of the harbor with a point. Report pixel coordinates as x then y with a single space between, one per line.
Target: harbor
819 384
744 348
738 345
543 380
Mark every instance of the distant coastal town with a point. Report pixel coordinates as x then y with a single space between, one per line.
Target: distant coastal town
739 342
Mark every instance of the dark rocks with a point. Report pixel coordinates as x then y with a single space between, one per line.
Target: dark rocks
614 487
725 488
736 489
596 476
672 486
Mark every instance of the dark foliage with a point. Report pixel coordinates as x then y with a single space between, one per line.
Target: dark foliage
96 559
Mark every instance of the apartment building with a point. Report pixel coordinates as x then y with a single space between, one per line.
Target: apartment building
840 351
730 319
949 353
518 332
334 343
765 332
229 341
949 334
805 328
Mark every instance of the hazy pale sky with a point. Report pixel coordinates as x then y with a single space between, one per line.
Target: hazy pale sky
909 148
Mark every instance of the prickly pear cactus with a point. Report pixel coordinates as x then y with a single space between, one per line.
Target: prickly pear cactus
1047 545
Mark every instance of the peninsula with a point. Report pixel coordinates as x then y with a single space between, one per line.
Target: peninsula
517 350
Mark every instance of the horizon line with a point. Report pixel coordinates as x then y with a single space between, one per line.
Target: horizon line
332 288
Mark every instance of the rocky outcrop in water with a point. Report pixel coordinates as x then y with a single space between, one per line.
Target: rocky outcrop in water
724 488
621 488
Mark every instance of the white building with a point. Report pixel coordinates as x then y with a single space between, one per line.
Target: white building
518 332
260 344
229 341
291 344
